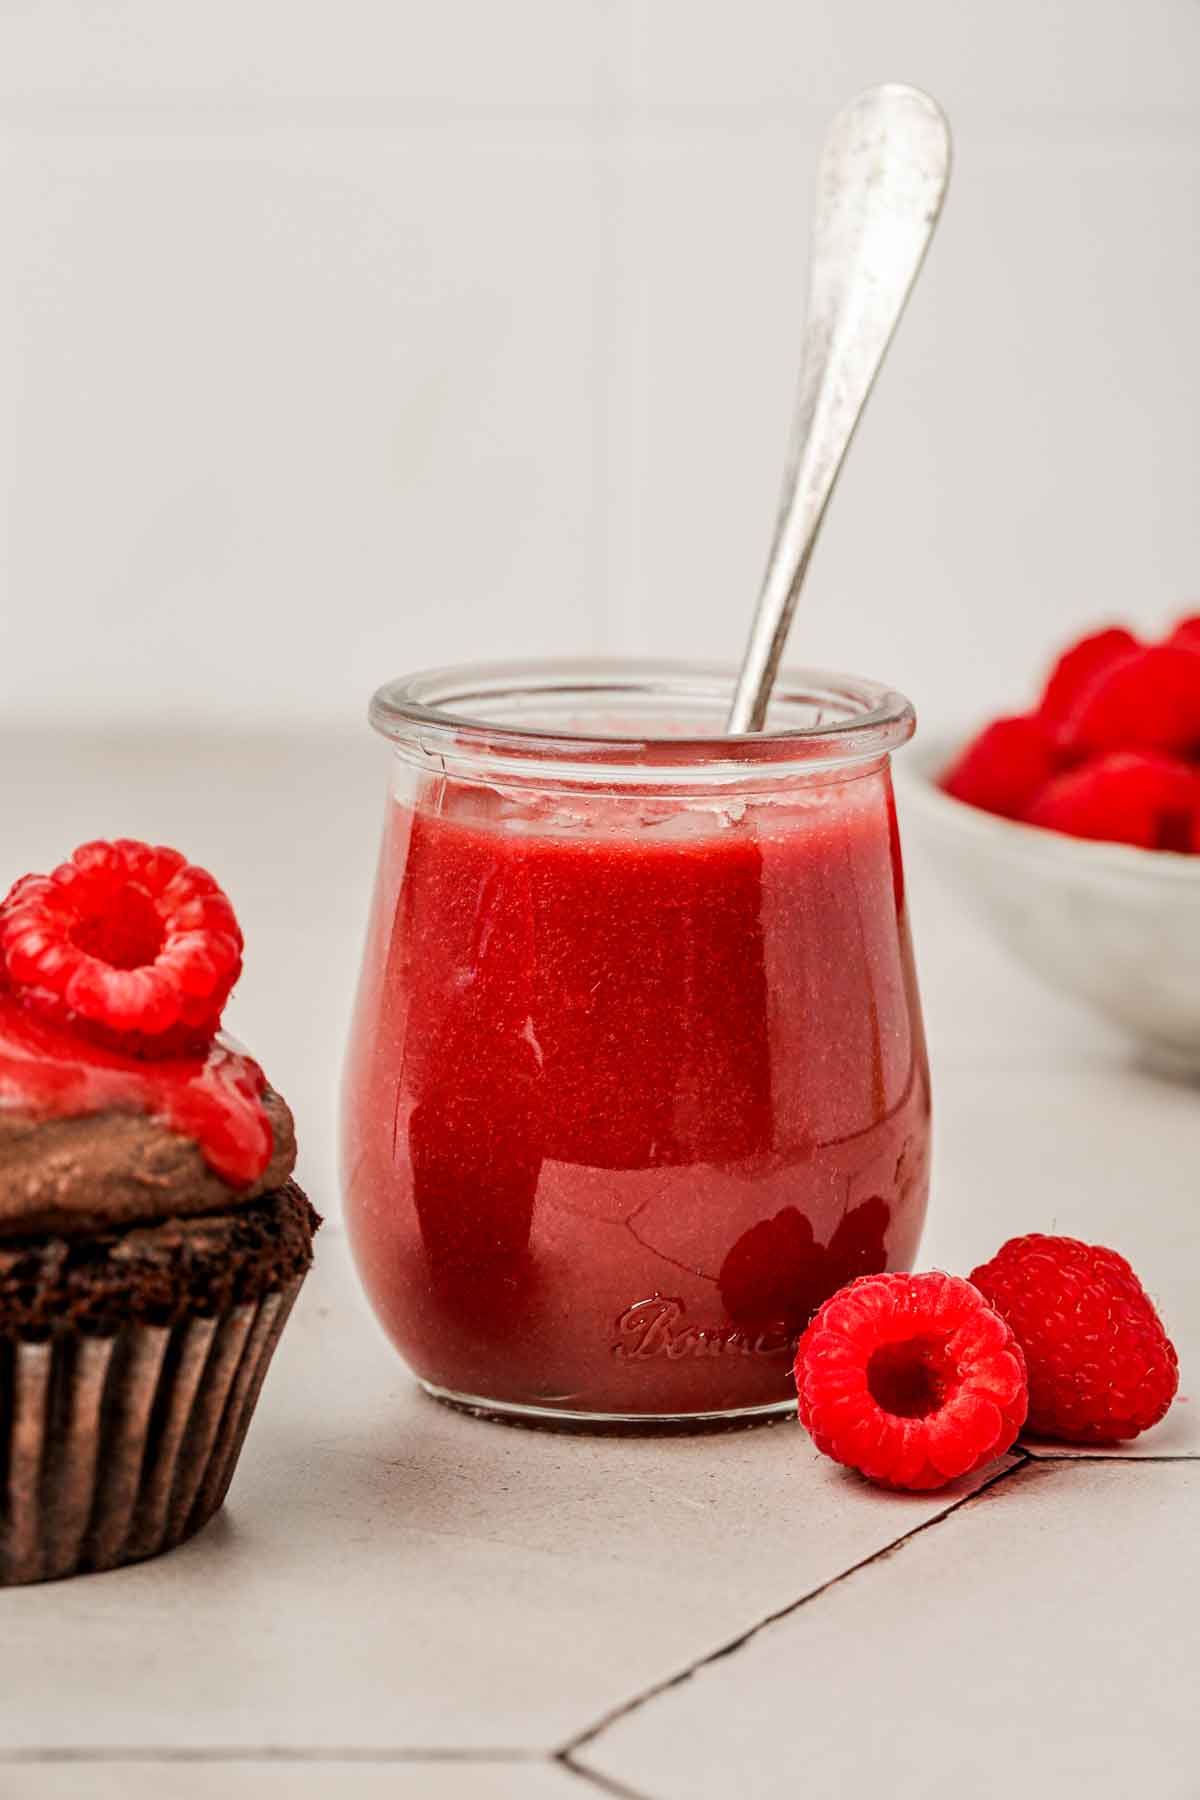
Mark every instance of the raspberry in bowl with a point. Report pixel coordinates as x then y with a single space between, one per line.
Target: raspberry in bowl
152 1241
1073 831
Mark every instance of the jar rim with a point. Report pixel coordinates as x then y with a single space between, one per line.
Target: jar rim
459 711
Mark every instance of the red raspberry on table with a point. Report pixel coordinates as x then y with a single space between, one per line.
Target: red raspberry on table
1079 667
1149 700
126 944
1101 1367
1004 767
1127 797
912 1379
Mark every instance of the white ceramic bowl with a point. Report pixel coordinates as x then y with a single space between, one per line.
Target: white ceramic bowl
1117 927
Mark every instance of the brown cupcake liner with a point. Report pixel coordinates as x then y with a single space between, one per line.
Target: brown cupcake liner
116 1448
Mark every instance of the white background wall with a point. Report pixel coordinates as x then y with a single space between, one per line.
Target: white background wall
336 339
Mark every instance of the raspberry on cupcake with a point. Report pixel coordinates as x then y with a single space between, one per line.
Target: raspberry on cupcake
152 1241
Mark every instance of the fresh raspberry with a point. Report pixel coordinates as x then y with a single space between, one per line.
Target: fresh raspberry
1127 797
1149 700
126 944
912 1379
1079 667
1004 767
1101 1367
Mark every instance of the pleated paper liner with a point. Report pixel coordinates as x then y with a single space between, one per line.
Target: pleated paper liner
116 1448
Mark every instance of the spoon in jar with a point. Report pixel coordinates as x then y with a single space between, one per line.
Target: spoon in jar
882 179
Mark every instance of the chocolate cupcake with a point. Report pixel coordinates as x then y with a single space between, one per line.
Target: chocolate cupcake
152 1241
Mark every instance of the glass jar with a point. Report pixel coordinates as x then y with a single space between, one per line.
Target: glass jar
637 1074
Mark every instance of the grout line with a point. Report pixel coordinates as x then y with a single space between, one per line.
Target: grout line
281 1753
605 1783
1101 1456
570 1749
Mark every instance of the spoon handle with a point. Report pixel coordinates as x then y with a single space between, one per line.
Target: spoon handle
880 188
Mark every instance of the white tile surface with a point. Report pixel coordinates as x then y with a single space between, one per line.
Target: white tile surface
391 1575
460 55
286 413
1106 1154
1030 55
391 1578
328 348
1035 1643
326 1779
960 548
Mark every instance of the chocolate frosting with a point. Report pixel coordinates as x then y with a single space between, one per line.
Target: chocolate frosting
111 1169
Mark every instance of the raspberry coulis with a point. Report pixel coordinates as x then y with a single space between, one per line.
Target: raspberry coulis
214 1099
629 1094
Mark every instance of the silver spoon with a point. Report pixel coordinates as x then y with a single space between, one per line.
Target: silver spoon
880 188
